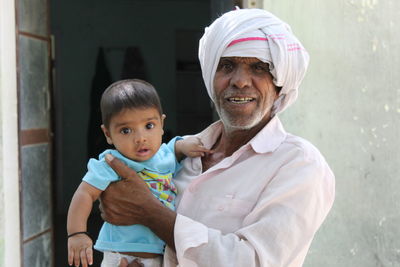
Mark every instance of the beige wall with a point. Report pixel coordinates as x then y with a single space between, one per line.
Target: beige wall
349 107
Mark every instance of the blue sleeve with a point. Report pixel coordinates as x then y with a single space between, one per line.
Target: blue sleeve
100 174
171 147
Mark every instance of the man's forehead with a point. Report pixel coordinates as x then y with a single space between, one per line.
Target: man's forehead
241 59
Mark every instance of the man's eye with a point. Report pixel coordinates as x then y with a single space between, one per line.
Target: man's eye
125 131
261 67
225 66
150 125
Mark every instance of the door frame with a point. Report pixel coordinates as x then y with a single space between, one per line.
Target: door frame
9 141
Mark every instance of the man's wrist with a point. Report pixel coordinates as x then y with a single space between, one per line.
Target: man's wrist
161 220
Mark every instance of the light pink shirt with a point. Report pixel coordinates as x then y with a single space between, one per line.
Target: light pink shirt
259 207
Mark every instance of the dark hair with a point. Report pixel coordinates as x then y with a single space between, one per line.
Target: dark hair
126 94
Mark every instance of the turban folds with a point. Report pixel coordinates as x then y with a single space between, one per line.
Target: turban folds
255 33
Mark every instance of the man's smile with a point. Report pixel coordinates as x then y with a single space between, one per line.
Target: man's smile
240 100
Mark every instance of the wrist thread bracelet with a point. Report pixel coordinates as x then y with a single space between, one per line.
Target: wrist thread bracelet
77 233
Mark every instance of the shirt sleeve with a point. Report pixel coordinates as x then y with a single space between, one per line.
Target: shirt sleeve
99 174
277 232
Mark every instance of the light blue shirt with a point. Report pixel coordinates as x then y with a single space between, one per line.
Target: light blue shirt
136 238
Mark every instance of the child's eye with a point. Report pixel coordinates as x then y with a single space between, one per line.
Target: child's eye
150 125
125 131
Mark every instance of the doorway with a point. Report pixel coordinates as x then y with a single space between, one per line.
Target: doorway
99 42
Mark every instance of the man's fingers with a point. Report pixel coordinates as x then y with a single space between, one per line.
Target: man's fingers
123 263
136 263
119 167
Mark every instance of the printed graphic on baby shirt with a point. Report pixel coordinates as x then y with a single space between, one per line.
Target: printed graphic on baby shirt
161 186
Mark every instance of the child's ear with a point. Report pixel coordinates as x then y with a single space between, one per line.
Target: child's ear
106 134
163 116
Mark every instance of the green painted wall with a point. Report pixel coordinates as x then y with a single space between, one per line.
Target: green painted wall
349 107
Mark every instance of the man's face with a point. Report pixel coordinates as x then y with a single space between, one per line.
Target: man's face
244 92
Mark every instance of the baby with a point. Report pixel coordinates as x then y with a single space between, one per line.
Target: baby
133 123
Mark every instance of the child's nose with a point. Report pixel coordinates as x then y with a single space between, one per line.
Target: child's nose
140 138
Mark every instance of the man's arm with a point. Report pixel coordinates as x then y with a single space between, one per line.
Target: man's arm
130 202
277 232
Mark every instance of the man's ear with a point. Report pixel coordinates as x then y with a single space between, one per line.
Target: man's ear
106 134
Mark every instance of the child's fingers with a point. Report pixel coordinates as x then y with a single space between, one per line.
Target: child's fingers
76 258
70 256
83 257
203 149
89 255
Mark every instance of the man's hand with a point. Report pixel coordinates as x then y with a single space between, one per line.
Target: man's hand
134 263
80 250
125 202
130 202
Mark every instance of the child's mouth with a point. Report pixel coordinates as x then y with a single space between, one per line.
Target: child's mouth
143 151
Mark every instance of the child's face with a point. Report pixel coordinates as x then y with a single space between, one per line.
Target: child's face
136 133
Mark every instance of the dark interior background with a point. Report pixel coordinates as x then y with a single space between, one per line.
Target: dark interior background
99 42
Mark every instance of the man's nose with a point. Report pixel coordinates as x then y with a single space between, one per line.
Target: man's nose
241 77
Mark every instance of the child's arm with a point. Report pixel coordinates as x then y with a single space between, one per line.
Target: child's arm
190 147
80 245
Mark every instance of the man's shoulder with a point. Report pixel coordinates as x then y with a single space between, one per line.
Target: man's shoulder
301 147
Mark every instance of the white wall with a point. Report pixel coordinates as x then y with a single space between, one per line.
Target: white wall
349 107
9 180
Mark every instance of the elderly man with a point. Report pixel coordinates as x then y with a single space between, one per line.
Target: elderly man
260 197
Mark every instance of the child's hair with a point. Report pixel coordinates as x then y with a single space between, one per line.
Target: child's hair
126 94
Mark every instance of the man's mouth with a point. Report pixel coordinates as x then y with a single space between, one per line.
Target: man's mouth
240 100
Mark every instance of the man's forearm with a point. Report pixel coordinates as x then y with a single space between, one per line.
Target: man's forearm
161 220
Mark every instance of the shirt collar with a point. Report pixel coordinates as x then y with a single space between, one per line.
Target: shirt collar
270 137
267 140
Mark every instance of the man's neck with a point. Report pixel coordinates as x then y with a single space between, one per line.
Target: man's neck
231 140
228 142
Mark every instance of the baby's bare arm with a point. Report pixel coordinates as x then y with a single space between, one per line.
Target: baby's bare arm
190 147
80 245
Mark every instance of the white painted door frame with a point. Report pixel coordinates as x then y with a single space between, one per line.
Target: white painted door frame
9 158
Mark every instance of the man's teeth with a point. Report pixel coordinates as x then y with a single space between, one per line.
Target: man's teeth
240 99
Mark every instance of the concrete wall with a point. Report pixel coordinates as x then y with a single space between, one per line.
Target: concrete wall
349 107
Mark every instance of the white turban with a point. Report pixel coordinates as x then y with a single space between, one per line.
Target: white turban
255 33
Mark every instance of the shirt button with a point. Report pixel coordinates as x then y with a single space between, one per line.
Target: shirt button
221 208
192 189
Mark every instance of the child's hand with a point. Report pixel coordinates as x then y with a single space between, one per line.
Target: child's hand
191 147
80 250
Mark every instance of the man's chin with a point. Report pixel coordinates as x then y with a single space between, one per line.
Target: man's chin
237 126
